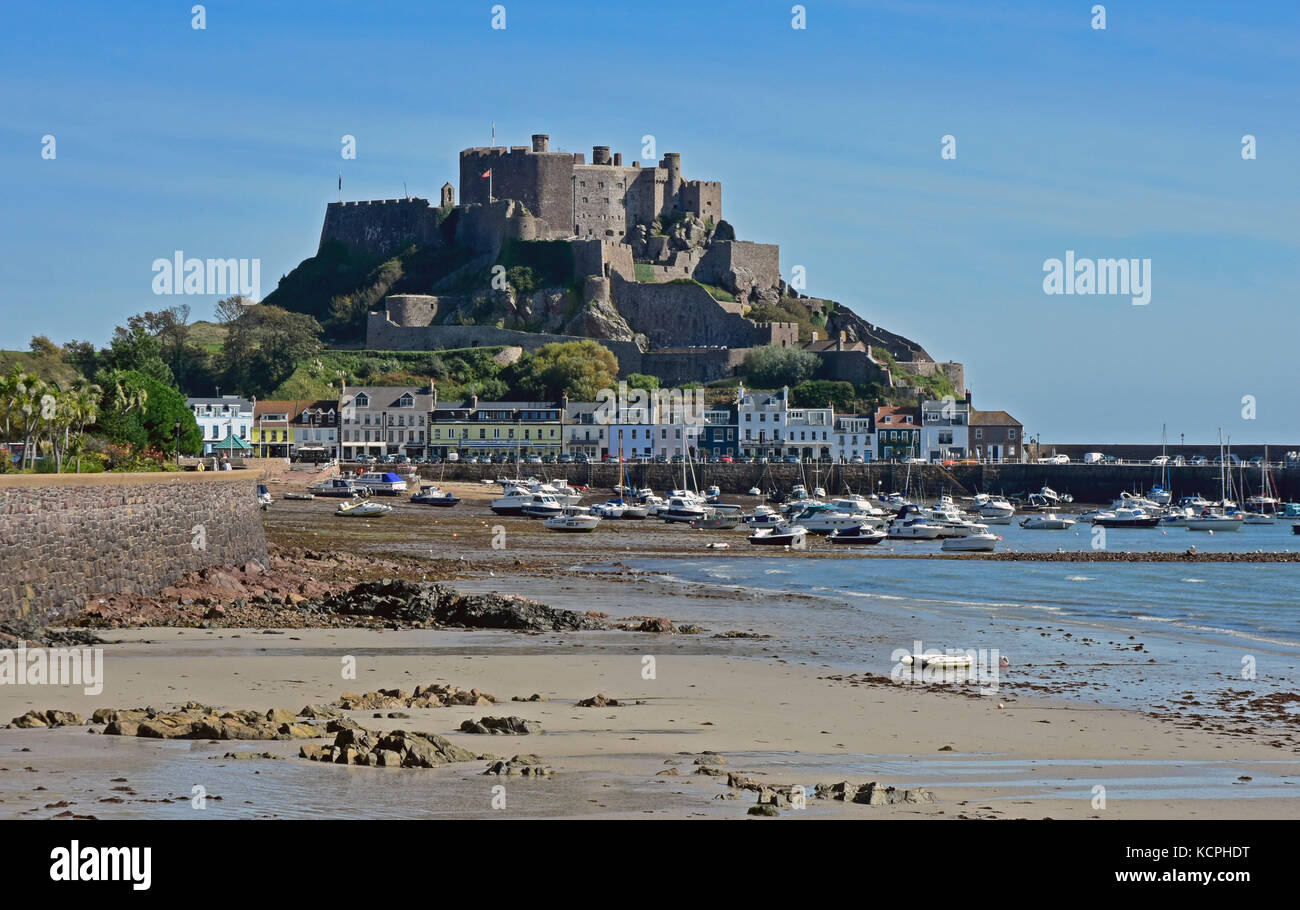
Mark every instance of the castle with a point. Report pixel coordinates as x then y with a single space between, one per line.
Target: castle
664 282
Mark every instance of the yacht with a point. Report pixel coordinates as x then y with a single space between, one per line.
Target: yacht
573 519
683 509
384 483
994 509
862 535
820 518
763 517
983 542
1047 521
343 487
911 524
1216 519
363 508
787 535
432 495
858 504
542 505
1125 517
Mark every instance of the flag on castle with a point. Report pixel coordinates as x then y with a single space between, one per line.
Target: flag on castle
486 174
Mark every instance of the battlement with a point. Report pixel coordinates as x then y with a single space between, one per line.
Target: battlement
410 200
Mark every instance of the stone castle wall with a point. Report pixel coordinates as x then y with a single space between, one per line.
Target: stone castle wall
955 372
65 537
726 261
671 314
381 226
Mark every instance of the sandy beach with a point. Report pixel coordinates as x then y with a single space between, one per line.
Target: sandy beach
776 718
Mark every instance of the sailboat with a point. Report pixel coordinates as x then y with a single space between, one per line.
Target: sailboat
1261 508
1161 494
1217 517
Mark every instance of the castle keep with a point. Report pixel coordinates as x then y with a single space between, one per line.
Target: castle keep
658 275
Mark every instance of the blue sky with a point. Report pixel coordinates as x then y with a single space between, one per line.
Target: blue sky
1117 143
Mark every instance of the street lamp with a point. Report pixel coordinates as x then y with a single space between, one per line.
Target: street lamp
178 443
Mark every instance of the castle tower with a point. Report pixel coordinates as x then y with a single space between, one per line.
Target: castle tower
600 154
673 164
541 142
448 196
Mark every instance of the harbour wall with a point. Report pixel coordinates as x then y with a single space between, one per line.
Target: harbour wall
65 537
1087 483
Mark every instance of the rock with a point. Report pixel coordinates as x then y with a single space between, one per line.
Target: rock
429 602
710 758
522 765
280 716
667 772
319 711
741 782
533 697
511 726
660 625
387 758
423 750
766 810
312 752
600 700
48 718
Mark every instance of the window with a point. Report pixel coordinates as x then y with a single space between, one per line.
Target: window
979 434
1011 434
362 400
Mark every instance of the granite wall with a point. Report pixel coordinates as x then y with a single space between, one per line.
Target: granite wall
63 538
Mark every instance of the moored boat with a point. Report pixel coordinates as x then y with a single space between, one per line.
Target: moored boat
433 495
363 508
861 536
983 542
573 520
384 483
787 535
1047 521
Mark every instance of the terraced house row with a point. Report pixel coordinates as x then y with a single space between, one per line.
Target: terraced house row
381 421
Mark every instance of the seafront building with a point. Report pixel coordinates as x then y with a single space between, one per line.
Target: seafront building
897 432
384 420
945 429
219 418
472 427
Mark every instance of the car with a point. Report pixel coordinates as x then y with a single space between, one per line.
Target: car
535 459
1179 461
580 458
453 457
566 458
1093 458
1229 459
548 459
1160 460
1198 460
856 459
1111 459
747 459
791 459
433 459
914 459
678 459
661 459
1257 461
727 459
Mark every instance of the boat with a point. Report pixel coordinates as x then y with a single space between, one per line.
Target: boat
755 491
712 494
363 508
820 518
1216 519
983 542
573 519
1295 527
431 494
384 483
937 660
297 495
857 504
1127 518
787 535
684 509
610 508
1047 521
1222 515
543 505
1262 507
342 487
911 524
716 523
861 536
763 516
1176 517
994 509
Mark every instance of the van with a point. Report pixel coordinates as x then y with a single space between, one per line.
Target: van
453 457
1092 457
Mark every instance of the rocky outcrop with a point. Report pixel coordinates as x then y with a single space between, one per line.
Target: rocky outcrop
428 602
501 726
520 765
433 695
50 718
397 749
872 794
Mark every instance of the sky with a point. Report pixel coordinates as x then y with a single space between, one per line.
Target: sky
1124 142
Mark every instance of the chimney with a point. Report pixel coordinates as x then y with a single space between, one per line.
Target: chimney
541 142
473 402
839 345
618 159
600 154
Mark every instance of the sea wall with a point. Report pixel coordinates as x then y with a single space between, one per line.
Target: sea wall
65 537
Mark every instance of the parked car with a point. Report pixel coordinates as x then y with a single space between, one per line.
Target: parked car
1160 460
727 459
1198 460
580 458
1094 458
915 459
1230 459
535 459
566 458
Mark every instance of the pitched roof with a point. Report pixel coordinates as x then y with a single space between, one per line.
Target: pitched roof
993 419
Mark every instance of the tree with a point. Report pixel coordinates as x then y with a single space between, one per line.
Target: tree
772 366
264 345
135 348
642 381
43 347
818 393
142 412
578 369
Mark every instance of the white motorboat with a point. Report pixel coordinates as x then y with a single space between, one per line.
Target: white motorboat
755 491
1215 520
573 519
342 487
521 502
363 508
820 518
712 494
682 509
983 542
1159 495
787 535
383 483
763 517
1047 521
610 508
857 504
913 526
862 535
995 509
1259 518
1175 517
635 511
1126 517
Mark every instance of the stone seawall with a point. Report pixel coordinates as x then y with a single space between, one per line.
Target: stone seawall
65 537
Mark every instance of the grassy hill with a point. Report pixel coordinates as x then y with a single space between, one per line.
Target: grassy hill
48 369
456 373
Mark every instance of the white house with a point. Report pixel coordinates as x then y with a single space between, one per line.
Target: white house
384 420
218 418
852 438
945 429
